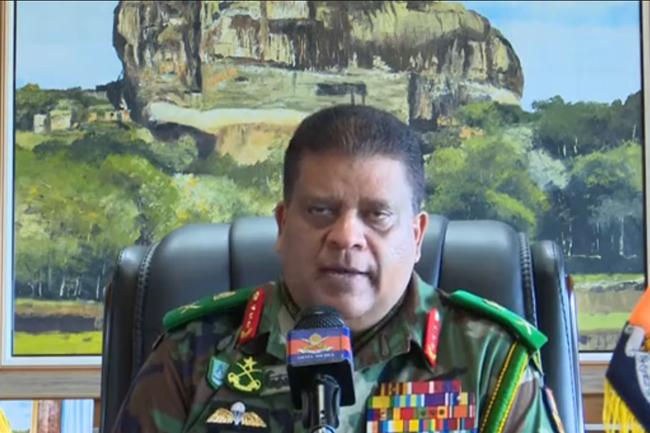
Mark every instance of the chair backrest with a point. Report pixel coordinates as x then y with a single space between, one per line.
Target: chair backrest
485 257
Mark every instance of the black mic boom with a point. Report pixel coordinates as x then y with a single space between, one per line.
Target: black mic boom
320 367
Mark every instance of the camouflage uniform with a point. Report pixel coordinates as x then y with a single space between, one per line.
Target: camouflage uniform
472 365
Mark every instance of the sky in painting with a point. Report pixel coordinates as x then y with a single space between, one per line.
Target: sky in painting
18 412
583 51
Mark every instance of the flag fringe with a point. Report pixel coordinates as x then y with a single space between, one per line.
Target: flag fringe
617 417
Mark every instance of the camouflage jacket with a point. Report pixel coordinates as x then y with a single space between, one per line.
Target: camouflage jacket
439 363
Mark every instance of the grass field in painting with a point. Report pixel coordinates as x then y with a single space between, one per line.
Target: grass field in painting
51 326
56 343
603 303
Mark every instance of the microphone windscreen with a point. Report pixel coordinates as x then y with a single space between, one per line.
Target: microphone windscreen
319 317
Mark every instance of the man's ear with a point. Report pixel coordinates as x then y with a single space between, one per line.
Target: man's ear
280 216
420 224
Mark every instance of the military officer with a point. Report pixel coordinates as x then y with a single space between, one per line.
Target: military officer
350 230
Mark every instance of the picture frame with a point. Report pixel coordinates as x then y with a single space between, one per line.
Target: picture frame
25 378
79 376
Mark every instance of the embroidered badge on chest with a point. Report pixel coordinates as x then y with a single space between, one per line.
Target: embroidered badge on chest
428 406
239 417
217 372
245 376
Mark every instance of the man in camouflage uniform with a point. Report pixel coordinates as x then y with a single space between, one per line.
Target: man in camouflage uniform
350 232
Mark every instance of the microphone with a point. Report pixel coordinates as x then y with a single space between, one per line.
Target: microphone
320 368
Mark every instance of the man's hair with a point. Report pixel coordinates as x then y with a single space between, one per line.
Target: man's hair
356 131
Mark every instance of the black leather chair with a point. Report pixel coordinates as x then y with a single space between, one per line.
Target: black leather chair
486 257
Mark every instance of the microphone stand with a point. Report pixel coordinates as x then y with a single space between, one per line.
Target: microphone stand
320 405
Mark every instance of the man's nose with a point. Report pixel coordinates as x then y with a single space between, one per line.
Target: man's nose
347 232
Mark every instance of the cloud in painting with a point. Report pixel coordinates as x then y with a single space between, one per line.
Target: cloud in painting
583 51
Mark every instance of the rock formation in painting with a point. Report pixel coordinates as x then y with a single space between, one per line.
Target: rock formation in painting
279 60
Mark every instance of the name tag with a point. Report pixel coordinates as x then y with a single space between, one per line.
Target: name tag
276 380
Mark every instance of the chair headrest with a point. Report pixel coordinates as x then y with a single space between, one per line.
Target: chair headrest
210 258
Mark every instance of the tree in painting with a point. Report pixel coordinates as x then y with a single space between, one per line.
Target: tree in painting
208 93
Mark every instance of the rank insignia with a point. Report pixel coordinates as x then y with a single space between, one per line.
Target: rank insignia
223 295
217 372
431 337
245 376
240 417
252 317
421 406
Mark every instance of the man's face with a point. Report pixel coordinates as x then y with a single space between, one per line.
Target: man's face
349 238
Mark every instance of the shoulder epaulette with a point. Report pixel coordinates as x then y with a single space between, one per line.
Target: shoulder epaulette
522 329
218 303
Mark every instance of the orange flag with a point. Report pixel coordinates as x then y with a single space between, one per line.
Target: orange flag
627 381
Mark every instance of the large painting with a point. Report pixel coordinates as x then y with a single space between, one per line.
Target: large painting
134 118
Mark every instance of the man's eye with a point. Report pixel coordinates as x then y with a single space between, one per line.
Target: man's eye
379 214
319 210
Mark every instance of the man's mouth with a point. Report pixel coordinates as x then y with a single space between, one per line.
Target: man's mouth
342 270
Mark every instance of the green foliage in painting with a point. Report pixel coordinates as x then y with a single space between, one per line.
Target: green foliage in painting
567 172
32 100
485 176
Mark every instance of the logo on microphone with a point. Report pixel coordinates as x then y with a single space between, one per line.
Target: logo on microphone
317 346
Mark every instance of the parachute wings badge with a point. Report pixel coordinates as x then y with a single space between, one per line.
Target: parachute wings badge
237 415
